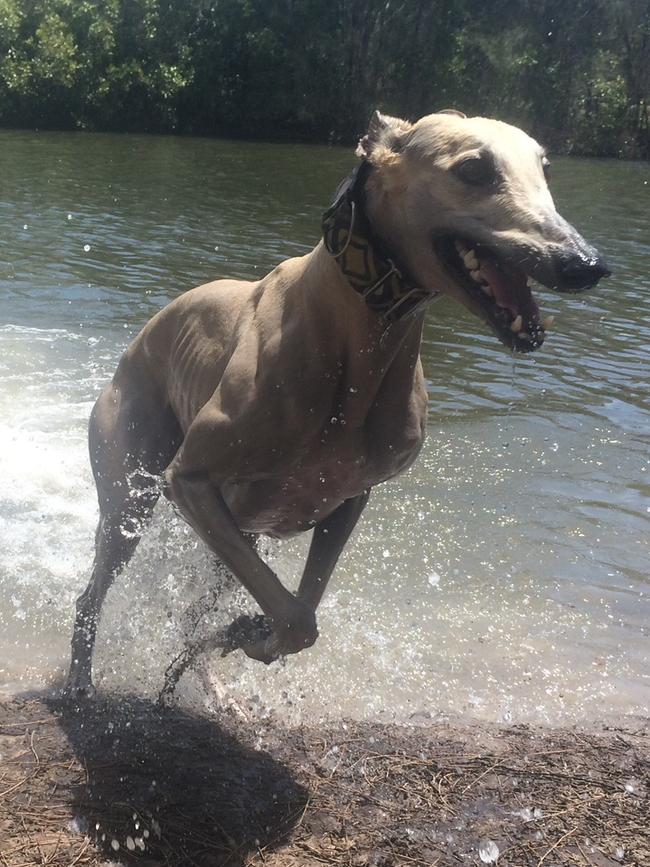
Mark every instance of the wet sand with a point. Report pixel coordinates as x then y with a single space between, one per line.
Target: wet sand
120 781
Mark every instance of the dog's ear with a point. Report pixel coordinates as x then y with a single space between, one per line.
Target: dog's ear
383 137
451 111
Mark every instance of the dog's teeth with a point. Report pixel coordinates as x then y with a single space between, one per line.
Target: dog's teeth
475 275
549 322
517 324
470 260
486 289
460 247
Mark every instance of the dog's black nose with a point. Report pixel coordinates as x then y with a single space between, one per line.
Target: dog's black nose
575 272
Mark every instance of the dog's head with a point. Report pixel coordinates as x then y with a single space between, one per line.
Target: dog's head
465 204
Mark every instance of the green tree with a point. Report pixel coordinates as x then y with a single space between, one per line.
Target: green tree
576 75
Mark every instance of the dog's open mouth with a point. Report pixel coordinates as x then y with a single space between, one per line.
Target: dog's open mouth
499 288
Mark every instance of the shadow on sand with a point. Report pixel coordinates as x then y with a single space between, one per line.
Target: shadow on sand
173 787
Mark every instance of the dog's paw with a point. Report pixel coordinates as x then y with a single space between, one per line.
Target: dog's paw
77 691
264 650
245 632
259 640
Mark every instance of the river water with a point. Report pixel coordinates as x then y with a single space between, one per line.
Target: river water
506 576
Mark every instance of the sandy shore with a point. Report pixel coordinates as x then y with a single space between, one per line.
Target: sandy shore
119 781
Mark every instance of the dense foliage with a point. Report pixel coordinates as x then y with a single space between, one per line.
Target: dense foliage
575 74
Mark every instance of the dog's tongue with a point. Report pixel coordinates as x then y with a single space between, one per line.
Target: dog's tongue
509 285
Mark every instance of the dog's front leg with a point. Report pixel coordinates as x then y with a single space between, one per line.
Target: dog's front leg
292 619
329 539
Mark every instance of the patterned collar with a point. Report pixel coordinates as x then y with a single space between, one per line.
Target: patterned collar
364 259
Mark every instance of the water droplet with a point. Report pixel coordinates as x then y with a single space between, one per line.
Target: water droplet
434 579
78 825
488 851
86 248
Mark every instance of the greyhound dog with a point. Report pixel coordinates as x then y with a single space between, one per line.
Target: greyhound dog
275 406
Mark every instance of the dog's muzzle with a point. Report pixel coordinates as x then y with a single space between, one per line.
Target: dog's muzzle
496 279
577 273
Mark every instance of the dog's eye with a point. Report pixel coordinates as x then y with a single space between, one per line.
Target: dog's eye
546 168
478 171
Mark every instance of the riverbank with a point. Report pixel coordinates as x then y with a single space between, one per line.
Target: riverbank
121 781
559 143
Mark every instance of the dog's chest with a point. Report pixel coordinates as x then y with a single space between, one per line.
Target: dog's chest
297 490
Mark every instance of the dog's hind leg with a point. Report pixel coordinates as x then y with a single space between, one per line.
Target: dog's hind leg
131 441
115 542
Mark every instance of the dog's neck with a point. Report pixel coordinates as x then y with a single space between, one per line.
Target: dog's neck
368 352
368 328
364 259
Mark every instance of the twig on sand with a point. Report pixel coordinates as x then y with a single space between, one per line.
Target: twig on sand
33 748
555 845
81 853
